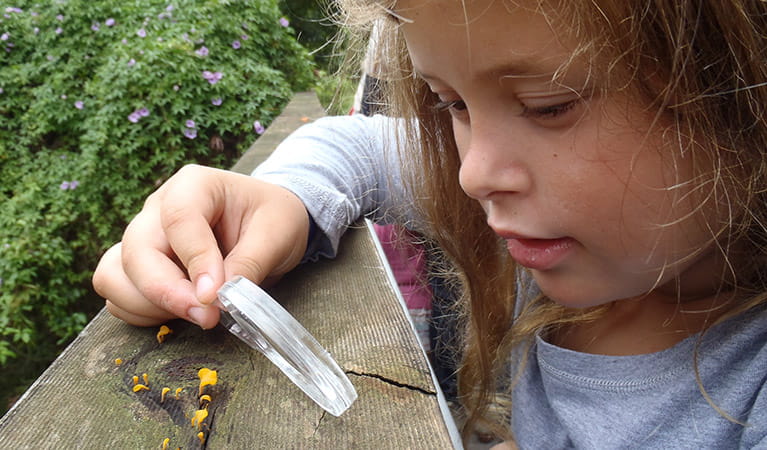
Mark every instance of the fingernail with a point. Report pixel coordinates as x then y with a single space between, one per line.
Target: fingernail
204 286
197 315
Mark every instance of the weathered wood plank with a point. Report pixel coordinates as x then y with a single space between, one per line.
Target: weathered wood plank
85 400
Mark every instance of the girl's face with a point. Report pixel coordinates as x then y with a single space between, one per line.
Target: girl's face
581 184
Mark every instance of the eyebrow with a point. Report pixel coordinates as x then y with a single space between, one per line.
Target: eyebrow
515 69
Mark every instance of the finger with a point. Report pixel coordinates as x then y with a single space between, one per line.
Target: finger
111 282
133 319
148 263
191 206
272 240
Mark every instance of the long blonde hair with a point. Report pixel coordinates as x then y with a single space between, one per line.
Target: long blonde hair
703 64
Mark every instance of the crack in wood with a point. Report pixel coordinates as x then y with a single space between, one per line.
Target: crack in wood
319 421
391 382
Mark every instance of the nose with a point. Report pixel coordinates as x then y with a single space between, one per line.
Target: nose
492 163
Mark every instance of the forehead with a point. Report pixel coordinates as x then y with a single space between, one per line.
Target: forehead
486 35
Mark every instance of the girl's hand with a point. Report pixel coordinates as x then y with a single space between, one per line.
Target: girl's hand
199 229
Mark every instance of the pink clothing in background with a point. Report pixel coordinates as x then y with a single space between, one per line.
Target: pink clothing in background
408 265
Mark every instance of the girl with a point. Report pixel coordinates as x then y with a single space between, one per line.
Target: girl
594 172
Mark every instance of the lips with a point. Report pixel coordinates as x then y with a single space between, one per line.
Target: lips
539 254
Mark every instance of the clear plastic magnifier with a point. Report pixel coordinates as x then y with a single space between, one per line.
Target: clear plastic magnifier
256 318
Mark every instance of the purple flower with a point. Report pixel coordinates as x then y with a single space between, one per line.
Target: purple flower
134 117
258 127
79 104
215 101
236 45
60 18
109 22
212 77
124 41
63 96
143 112
59 30
95 26
64 185
284 22
190 124
176 87
4 37
36 30
141 32
73 184
13 10
202 51
131 62
190 133
244 37
1 90
169 8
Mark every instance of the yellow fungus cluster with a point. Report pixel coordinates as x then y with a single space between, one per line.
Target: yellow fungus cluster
207 377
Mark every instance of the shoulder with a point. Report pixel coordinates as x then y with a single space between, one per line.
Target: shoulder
736 370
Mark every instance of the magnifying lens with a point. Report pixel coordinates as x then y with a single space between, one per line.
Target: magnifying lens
257 319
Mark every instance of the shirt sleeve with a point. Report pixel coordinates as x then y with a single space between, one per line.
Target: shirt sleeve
342 168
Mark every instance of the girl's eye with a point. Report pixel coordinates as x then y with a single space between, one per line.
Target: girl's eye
454 106
549 111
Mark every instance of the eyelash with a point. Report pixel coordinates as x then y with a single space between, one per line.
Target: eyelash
442 106
549 112
545 112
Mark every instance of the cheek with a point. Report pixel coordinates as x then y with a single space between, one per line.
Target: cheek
662 208
462 136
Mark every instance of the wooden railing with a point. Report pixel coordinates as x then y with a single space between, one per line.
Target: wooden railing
85 400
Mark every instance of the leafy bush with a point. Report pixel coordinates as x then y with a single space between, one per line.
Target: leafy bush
314 22
100 101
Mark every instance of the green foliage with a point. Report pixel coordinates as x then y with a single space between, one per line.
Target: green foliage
336 94
100 102
313 21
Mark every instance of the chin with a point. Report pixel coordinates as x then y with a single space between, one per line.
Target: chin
576 293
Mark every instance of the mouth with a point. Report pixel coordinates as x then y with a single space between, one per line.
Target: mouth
539 254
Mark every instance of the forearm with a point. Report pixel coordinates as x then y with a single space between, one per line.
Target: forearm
342 168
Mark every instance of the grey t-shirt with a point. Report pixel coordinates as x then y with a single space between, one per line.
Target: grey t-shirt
342 169
568 399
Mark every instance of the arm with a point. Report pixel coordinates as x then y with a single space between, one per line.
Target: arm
342 168
204 226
